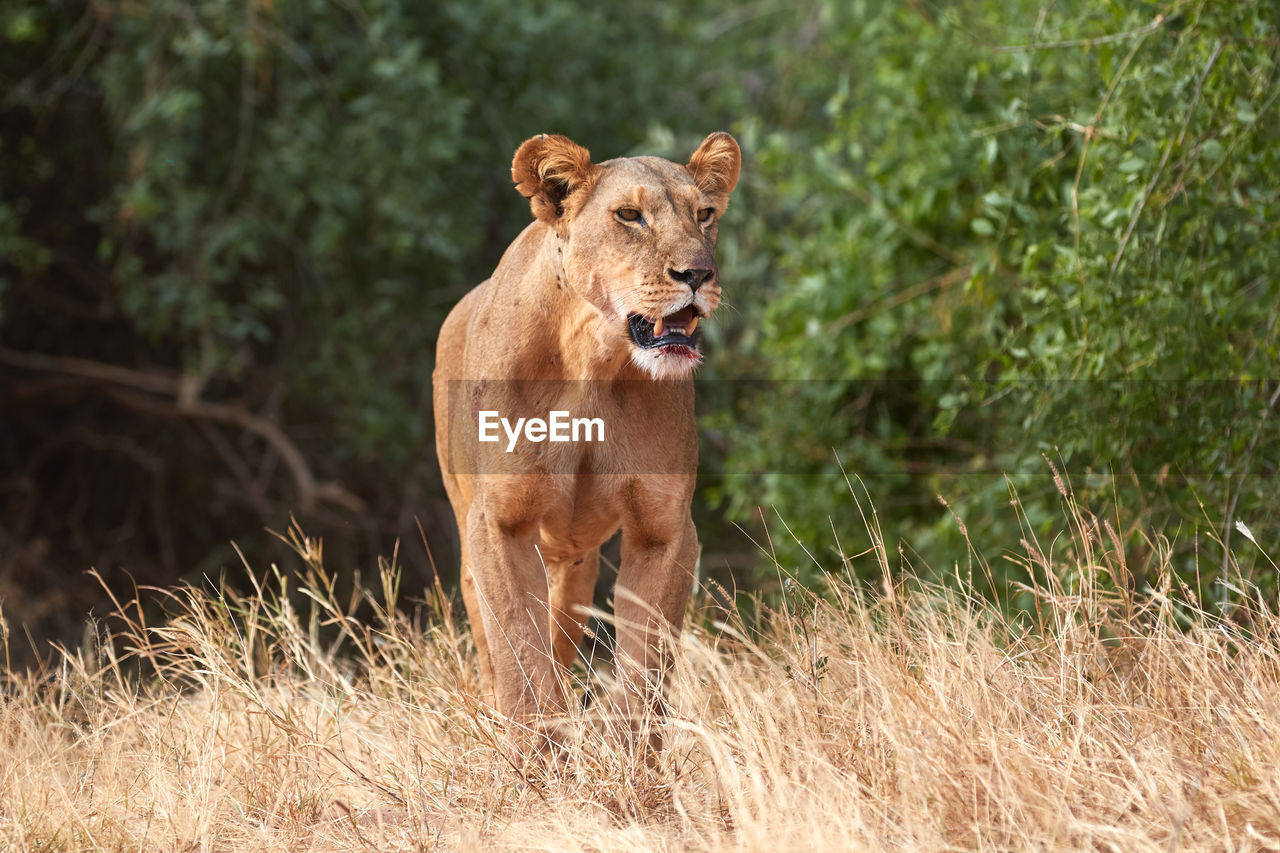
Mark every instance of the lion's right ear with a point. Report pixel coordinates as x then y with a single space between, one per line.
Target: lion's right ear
715 165
552 172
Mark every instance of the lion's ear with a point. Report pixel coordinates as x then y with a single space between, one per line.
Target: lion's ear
547 170
716 163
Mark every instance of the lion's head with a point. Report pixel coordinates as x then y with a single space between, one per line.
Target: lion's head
635 238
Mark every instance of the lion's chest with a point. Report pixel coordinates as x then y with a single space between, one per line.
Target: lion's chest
581 514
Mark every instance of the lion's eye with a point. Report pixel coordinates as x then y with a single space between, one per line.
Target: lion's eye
706 213
628 214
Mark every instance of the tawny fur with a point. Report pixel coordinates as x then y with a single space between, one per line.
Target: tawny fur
549 331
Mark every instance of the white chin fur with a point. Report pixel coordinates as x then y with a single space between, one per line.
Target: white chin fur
663 365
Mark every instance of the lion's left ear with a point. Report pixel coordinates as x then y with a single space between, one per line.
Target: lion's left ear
548 170
716 163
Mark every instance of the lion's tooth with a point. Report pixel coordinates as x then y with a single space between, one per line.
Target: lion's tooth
657 328
693 324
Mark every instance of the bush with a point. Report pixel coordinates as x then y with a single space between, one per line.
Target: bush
1008 241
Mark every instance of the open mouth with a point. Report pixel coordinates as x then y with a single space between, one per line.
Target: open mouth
679 329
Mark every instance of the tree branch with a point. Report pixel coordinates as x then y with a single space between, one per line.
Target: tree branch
122 385
1151 26
157 382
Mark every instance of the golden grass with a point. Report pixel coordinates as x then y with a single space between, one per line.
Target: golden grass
919 718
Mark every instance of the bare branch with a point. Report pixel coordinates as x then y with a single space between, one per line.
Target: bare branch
1155 24
122 384
157 382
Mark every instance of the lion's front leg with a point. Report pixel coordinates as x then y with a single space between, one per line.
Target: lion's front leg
652 591
511 596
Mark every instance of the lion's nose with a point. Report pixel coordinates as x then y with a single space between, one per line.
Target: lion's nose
695 278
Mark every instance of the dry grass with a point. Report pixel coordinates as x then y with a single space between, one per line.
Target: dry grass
917 719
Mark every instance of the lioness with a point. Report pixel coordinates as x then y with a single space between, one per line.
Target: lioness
593 310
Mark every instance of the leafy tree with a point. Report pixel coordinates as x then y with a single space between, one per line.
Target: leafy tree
1016 232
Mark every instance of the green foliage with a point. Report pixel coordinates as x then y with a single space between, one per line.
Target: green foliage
277 202
996 252
325 179
308 167
969 236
